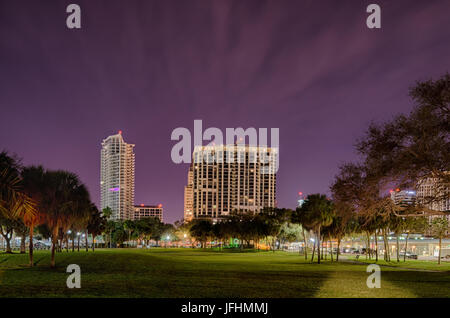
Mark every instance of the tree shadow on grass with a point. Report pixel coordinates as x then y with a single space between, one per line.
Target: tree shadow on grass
420 283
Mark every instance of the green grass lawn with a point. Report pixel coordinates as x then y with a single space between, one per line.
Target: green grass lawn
209 273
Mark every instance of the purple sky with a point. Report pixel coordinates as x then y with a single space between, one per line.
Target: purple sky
311 68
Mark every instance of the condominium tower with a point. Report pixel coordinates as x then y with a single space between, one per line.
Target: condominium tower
117 177
234 181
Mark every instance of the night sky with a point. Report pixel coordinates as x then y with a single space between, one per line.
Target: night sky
311 68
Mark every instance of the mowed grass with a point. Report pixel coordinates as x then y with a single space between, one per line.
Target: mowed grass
208 273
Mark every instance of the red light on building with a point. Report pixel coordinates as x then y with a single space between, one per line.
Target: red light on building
398 190
142 204
160 205
300 193
390 191
120 132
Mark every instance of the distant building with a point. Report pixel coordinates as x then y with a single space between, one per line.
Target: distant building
429 194
117 177
147 211
435 197
189 197
221 187
301 200
429 189
403 198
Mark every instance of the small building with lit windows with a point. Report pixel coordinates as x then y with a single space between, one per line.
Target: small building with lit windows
147 211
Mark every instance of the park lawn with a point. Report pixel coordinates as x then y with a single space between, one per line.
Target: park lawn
431 265
207 273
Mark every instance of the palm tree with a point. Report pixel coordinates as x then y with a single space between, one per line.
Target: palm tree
14 203
64 200
128 226
107 212
96 224
33 184
317 212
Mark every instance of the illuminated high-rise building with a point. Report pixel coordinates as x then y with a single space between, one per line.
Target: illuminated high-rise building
117 177
189 197
234 182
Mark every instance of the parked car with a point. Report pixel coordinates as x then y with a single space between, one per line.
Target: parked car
39 245
445 253
409 255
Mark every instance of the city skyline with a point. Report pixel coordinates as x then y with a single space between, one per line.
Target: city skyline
313 70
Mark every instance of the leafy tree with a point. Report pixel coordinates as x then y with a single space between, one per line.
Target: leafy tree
201 230
410 149
439 228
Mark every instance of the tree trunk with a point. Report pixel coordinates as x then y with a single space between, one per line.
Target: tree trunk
306 246
313 251
398 252
87 247
387 253
406 247
338 249
318 246
78 243
30 246
7 238
22 244
376 246
331 250
8 244
73 244
93 242
440 247
54 242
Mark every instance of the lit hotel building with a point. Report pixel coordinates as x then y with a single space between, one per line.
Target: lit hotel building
148 211
237 180
117 177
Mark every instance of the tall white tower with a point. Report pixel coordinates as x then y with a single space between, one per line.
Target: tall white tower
117 177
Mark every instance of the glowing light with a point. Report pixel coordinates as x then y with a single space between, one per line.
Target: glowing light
398 190
300 193
142 204
114 189
120 132
160 205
